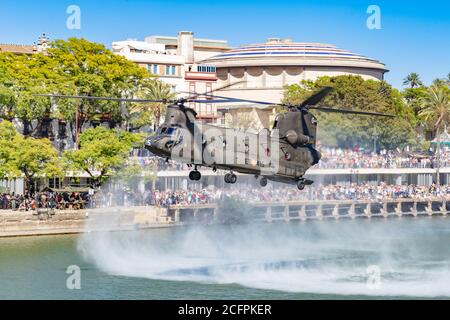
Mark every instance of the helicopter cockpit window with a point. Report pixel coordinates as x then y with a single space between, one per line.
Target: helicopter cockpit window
277 122
170 131
161 130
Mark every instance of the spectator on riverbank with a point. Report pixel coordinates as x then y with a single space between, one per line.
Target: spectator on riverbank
165 198
336 158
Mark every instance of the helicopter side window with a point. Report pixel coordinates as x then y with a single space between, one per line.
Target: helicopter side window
275 124
170 131
162 130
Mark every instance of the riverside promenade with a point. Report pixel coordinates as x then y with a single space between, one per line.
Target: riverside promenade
51 222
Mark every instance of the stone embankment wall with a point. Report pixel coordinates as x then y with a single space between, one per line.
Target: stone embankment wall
47 222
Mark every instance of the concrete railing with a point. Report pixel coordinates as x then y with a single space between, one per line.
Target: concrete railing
303 210
43 221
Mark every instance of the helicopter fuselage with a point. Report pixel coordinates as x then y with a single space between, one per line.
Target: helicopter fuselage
283 154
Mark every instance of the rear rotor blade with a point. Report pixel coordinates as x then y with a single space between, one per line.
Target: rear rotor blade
365 113
316 98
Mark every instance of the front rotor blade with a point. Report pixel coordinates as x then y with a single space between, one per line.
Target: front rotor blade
209 101
98 98
207 93
365 113
316 98
246 100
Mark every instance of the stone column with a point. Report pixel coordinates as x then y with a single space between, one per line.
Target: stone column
351 211
336 211
286 213
269 214
302 213
398 209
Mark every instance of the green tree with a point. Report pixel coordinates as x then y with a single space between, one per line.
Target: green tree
91 69
35 158
413 80
143 114
102 152
413 97
436 108
8 135
26 157
355 93
436 111
21 77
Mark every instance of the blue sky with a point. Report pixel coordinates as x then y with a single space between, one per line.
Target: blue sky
414 35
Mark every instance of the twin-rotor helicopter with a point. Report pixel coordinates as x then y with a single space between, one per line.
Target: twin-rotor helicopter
290 144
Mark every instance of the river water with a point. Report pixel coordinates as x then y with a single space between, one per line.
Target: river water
345 259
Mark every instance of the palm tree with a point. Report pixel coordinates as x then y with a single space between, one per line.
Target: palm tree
413 80
439 82
151 113
436 109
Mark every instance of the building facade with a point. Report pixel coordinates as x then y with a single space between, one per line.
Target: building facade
263 70
175 60
40 46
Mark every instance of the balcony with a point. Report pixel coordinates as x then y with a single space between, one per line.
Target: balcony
200 76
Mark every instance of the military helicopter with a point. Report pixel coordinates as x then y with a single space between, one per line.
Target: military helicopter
290 144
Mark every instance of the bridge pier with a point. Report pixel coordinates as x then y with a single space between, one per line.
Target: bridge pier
368 210
269 214
286 214
414 209
302 213
335 213
351 211
429 209
398 210
384 210
444 208
319 212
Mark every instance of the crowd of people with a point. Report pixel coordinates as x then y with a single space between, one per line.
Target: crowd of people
335 158
48 199
287 194
249 194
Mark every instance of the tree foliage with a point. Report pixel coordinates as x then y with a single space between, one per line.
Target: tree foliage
25 156
413 80
436 107
72 67
355 93
146 114
102 152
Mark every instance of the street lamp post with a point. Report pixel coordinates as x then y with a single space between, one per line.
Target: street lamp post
76 128
438 160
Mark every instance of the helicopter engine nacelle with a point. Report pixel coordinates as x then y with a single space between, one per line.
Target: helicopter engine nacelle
294 138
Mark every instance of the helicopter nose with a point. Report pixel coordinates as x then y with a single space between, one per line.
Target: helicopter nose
156 145
152 143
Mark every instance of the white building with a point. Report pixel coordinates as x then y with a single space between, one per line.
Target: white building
174 60
263 70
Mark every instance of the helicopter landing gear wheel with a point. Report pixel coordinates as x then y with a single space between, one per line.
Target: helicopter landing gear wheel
263 182
230 178
195 175
301 184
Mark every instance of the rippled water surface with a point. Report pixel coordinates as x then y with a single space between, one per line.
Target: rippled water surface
308 260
